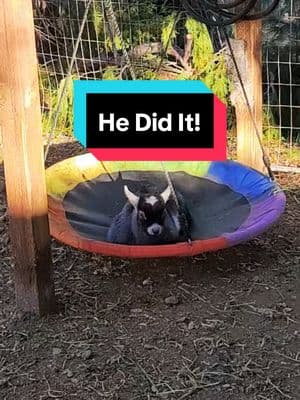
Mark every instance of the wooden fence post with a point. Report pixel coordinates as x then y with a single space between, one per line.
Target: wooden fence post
20 121
250 65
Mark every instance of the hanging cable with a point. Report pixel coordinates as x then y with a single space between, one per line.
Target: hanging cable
66 81
220 17
181 212
220 14
112 19
265 156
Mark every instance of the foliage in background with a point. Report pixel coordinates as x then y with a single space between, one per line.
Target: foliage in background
139 23
205 65
208 66
111 74
271 132
142 22
168 31
96 15
203 52
50 95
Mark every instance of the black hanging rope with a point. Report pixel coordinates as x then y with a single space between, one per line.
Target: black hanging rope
265 156
216 14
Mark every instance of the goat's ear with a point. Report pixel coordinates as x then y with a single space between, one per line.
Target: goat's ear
132 198
166 194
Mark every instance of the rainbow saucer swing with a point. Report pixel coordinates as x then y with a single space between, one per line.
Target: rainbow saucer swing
229 203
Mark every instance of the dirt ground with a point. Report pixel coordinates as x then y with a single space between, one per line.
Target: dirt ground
214 327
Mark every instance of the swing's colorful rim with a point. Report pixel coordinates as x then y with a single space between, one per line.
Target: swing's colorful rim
266 199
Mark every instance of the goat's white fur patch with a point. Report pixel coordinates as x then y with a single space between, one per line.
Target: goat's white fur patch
151 200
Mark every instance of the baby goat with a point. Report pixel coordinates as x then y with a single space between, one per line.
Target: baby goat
150 219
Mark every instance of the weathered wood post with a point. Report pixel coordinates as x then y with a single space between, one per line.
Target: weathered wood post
20 121
249 60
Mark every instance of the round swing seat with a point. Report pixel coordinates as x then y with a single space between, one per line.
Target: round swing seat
229 203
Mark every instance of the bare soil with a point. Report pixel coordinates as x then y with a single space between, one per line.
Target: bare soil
220 326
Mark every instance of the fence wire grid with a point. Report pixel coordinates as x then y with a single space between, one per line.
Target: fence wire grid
155 36
281 79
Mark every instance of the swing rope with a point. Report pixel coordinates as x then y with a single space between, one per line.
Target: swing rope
217 15
182 214
66 81
265 156
201 14
111 20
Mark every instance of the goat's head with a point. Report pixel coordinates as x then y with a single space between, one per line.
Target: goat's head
150 210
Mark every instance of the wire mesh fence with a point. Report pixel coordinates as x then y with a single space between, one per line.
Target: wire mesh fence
163 43
281 72
101 50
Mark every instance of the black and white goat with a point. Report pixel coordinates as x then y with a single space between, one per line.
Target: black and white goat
150 219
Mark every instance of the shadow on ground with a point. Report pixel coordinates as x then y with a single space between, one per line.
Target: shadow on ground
220 326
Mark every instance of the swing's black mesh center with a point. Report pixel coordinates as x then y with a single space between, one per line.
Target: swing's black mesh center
215 208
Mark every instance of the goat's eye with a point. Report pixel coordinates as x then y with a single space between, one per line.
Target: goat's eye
142 215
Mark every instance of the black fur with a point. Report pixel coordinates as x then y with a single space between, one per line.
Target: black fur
130 225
